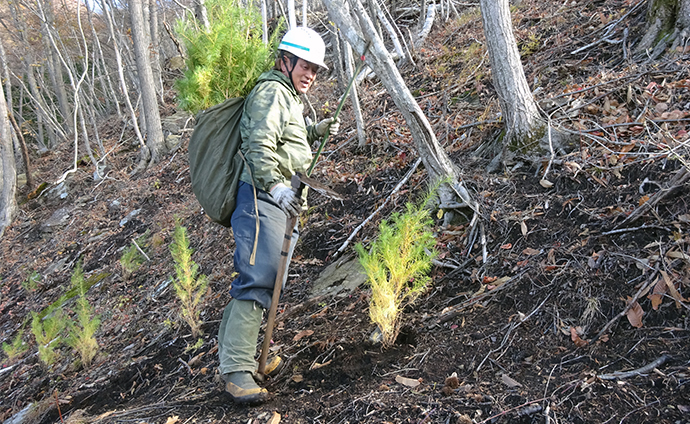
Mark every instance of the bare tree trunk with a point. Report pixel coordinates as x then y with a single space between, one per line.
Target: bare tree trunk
54 65
155 50
361 135
292 19
154 130
6 76
526 132
145 153
435 159
668 24
8 170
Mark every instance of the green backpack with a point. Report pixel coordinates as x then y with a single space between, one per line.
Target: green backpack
214 163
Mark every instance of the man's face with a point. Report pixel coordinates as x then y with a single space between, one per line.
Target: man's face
303 75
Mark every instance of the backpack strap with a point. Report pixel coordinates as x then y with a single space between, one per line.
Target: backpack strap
252 257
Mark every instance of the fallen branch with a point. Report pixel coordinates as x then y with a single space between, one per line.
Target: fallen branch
619 375
491 418
643 289
385 202
678 180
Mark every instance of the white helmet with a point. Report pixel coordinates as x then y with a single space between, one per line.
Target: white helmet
306 44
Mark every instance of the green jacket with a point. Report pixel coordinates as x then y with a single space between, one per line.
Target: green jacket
275 139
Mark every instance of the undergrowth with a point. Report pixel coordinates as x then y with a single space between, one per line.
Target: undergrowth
189 286
397 266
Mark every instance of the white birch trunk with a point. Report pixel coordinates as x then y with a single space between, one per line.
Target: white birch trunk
292 20
8 169
361 135
520 112
435 159
154 129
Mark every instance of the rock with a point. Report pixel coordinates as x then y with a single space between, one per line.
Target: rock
172 141
58 219
177 63
339 277
131 215
58 192
175 122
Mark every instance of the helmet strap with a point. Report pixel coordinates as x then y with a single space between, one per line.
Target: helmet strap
293 63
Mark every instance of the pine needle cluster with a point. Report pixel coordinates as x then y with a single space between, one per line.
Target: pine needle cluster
189 286
83 328
397 265
48 334
16 347
226 60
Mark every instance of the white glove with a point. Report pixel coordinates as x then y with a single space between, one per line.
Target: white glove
330 124
287 199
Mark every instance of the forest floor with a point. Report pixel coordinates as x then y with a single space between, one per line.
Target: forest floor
576 315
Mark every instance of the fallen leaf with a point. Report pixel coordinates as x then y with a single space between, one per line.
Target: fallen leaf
275 418
635 314
546 183
530 252
302 334
409 382
172 420
297 378
523 228
576 338
644 199
488 280
317 365
505 378
656 296
506 246
672 288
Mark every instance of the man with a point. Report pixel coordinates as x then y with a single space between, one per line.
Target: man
276 144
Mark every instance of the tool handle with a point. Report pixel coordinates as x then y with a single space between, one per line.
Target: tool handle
338 109
277 287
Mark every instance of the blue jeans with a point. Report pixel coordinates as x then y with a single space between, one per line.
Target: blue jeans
256 282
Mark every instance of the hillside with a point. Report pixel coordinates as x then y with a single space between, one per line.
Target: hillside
539 332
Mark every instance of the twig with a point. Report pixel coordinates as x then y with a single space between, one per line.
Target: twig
385 202
643 289
491 418
638 409
57 403
618 375
627 230
678 180
186 365
141 251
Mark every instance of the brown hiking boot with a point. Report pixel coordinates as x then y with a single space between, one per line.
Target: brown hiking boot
243 389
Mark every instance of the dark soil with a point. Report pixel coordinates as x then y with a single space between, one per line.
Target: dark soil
513 338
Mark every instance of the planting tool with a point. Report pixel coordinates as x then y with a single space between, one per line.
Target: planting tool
298 182
340 106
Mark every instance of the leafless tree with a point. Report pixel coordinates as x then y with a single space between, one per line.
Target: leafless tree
155 144
8 169
438 164
526 132
668 24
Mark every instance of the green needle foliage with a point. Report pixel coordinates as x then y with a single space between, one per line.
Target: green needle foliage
83 328
16 348
132 258
48 334
397 265
189 286
226 60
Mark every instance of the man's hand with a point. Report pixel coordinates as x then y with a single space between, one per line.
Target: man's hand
330 124
288 201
